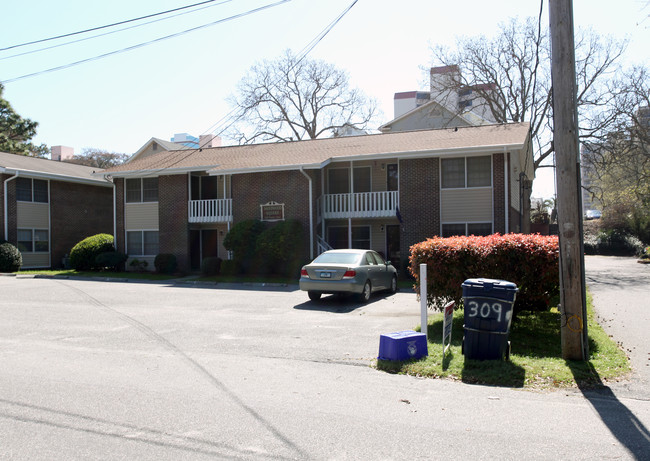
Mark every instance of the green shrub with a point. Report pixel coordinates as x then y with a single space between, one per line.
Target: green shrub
242 241
230 267
613 242
113 260
529 261
10 258
211 265
165 263
84 254
139 265
280 248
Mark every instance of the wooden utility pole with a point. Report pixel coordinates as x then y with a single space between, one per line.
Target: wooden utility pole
567 174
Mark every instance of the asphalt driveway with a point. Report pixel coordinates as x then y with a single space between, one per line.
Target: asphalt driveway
620 287
97 370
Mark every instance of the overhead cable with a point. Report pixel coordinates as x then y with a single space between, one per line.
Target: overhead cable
106 26
111 32
143 44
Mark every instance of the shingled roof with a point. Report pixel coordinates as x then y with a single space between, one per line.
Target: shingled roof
49 169
319 152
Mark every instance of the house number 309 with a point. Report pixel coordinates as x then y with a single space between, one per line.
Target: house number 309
485 310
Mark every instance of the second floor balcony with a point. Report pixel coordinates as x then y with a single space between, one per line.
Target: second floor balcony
360 205
210 211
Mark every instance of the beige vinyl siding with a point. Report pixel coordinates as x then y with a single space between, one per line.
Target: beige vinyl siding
377 238
32 260
466 205
142 216
33 215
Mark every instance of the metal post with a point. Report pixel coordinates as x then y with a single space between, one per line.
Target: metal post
424 321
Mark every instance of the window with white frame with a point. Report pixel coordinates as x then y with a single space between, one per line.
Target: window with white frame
338 180
142 243
465 172
31 190
455 229
338 237
33 240
141 190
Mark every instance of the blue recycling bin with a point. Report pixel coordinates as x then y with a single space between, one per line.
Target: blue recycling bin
402 345
488 307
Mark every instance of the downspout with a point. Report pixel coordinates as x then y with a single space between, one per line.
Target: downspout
114 211
6 213
311 215
506 176
322 194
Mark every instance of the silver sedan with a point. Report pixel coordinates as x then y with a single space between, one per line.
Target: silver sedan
359 272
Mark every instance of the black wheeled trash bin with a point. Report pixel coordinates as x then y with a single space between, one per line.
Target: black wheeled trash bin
488 313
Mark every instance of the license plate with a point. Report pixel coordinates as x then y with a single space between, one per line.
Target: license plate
326 275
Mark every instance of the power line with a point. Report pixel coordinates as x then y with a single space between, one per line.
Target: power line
226 121
300 56
106 26
111 32
143 44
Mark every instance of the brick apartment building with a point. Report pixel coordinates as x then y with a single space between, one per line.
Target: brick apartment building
383 191
47 206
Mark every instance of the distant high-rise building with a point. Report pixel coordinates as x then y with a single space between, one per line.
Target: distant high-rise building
186 139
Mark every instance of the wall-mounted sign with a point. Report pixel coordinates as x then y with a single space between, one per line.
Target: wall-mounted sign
272 211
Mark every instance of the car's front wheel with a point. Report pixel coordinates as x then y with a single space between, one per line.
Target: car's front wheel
364 296
313 295
393 284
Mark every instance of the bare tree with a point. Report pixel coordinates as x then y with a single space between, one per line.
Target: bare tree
617 162
98 158
289 99
510 76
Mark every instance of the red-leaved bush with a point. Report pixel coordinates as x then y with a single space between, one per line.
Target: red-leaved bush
531 261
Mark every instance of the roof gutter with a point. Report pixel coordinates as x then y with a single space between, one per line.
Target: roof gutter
155 172
52 176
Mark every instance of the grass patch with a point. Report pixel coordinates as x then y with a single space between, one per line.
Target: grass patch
103 274
535 361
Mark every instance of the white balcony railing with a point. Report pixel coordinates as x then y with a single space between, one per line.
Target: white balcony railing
203 211
360 205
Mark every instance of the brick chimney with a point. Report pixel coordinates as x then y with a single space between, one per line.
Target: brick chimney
60 153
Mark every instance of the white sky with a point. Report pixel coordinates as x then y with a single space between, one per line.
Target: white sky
180 85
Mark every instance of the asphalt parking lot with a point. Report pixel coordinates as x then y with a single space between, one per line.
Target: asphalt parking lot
104 370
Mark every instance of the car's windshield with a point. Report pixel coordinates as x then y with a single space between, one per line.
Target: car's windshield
337 258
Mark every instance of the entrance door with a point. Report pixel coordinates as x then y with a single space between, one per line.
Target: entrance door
209 243
203 244
392 245
195 249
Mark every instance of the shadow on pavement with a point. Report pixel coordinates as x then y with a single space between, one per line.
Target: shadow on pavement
620 421
339 304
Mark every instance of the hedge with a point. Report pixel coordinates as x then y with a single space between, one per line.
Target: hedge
211 265
165 263
113 260
83 255
531 261
10 257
